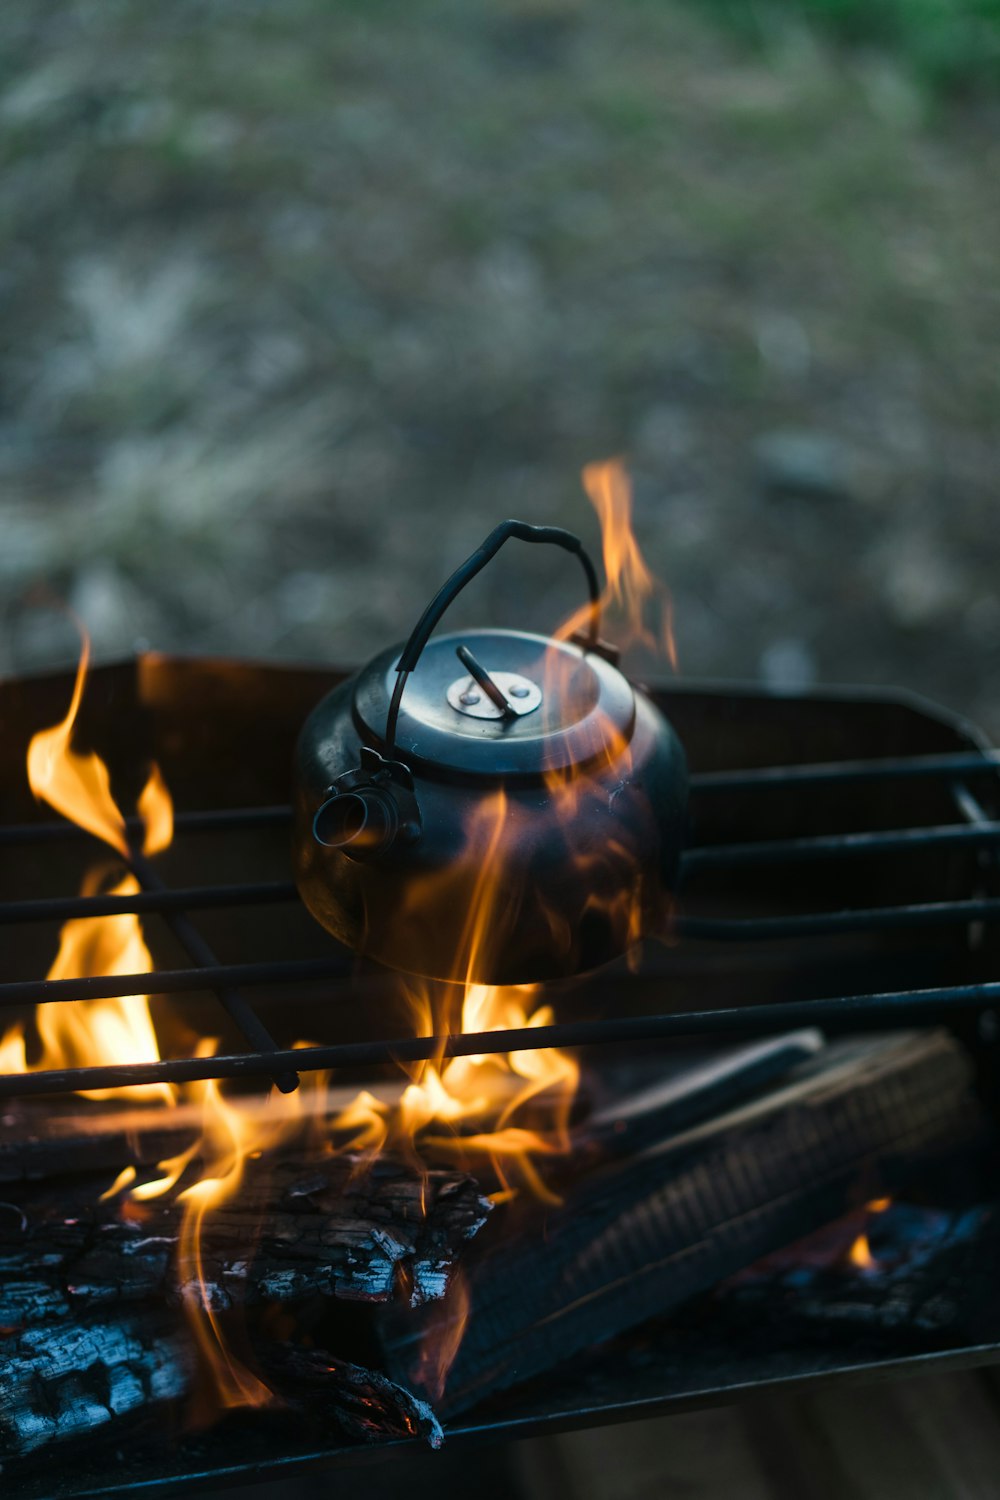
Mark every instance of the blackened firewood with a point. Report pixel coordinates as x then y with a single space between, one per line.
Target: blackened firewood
638 1238
42 1139
338 1227
364 1404
70 1380
70 1383
45 1138
926 1273
53 1138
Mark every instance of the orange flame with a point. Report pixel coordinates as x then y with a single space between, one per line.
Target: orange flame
510 1112
860 1255
76 785
224 1146
233 1133
156 809
102 1031
13 1057
96 1031
631 590
443 1338
475 1109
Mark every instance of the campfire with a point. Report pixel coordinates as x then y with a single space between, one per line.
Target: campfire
550 1043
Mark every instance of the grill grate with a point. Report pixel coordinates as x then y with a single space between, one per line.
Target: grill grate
974 832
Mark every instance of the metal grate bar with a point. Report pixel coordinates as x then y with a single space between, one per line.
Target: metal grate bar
817 924
968 763
977 831
893 1008
843 846
206 820
172 981
716 929
279 971
969 806
182 898
975 763
236 1006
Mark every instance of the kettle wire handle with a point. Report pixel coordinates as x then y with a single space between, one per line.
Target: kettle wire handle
462 575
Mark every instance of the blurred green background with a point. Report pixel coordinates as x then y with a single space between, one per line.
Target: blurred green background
300 298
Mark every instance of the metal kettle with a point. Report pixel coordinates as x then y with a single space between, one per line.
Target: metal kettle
494 807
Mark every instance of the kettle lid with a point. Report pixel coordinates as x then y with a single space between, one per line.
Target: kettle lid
498 703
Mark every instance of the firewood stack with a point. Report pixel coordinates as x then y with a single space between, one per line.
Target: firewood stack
671 1186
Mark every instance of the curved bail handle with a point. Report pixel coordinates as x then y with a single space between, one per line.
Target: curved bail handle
462 575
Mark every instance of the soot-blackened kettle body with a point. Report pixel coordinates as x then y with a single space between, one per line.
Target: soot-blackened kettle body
490 806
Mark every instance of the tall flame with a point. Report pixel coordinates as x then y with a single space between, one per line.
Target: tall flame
76 785
225 1143
83 1033
633 597
233 1133
120 1030
511 1113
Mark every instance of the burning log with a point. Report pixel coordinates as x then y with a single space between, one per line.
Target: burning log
638 1238
896 1269
77 1136
365 1405
338 1227
71 1381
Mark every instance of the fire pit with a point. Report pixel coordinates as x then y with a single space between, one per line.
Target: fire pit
840 874
752 1145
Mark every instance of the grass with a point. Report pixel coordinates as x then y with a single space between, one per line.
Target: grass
952 46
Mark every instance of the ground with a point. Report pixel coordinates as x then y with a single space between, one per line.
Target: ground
300 299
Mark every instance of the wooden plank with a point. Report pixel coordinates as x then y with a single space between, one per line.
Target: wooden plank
638 1238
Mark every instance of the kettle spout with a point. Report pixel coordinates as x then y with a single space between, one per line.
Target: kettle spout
369 808
362 821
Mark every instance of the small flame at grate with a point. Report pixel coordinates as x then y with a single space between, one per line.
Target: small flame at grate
860 1254
92 1032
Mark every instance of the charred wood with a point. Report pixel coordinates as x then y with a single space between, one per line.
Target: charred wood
924 1272
364 1404
638 1238
71 1380
56 1137
339 1227
101 1380
666 1088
